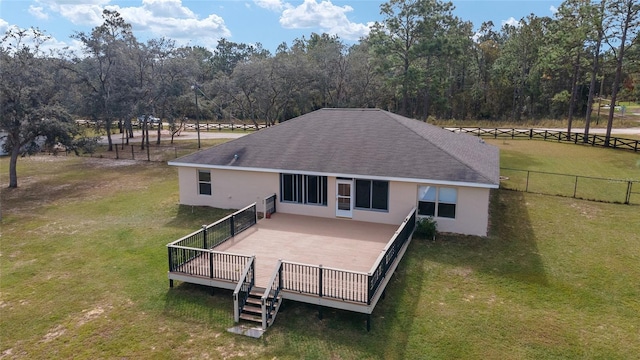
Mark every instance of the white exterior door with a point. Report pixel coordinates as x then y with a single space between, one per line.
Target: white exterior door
344 198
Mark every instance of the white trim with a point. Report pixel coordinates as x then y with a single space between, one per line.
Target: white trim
354 176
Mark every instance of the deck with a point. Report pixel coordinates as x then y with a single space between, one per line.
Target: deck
335 243
338 263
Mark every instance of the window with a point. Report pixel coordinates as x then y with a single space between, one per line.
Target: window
303 189
204 182
291 188
372 194
437 202
447 198
316 189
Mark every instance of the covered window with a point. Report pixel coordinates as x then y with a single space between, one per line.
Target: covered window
437 201
204 182
372 194
303 189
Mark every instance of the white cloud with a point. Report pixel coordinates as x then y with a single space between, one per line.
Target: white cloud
553 9
326 16
169 18
3 25
86 12
273 5
38 12
157 18
168 9
511 21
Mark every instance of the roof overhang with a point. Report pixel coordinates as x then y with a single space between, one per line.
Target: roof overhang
371 177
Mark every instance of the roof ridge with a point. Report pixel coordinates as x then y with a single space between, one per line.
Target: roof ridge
397 118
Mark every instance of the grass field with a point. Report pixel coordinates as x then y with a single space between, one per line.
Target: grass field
83 274
562 158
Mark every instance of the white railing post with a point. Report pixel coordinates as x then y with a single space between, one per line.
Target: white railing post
264 202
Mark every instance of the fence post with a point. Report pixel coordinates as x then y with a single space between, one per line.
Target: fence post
320 280
530 134
117 155
526 189
211 264
204 237
170 260
148 157
133 155
628 197
232 225
575 188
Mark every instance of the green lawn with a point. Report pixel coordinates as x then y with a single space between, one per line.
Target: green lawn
571 159
83 269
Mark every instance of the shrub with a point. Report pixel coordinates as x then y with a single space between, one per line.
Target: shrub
426 228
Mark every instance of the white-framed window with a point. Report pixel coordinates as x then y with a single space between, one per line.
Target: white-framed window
204 182
372 194
303 189
437 201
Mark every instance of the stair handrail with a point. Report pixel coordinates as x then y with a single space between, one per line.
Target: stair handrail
270 292
241 295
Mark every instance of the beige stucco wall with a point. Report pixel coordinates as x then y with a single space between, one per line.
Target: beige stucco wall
472 213
230 189
233 189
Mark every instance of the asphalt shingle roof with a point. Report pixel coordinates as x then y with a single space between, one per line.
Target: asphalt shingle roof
359 142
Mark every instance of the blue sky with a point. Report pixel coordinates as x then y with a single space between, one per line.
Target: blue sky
269 22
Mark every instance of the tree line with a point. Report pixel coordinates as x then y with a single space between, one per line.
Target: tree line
420 61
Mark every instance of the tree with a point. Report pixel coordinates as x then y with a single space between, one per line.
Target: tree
30 87
623 24
567 37
396 39
597 17
518 69
107 69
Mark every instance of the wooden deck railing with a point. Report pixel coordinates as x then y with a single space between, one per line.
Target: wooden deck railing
246 282
390 253
269 300
194 254
321 281
269 205
346 285
561 136
220 231
206 263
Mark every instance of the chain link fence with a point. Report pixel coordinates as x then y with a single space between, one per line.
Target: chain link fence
623 191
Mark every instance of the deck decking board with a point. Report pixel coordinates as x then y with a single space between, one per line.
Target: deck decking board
333 243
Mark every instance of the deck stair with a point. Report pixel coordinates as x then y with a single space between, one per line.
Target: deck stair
252 310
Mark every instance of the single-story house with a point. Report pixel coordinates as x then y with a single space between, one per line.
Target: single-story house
362 164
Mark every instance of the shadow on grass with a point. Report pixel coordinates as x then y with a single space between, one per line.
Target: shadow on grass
509 251
201 304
